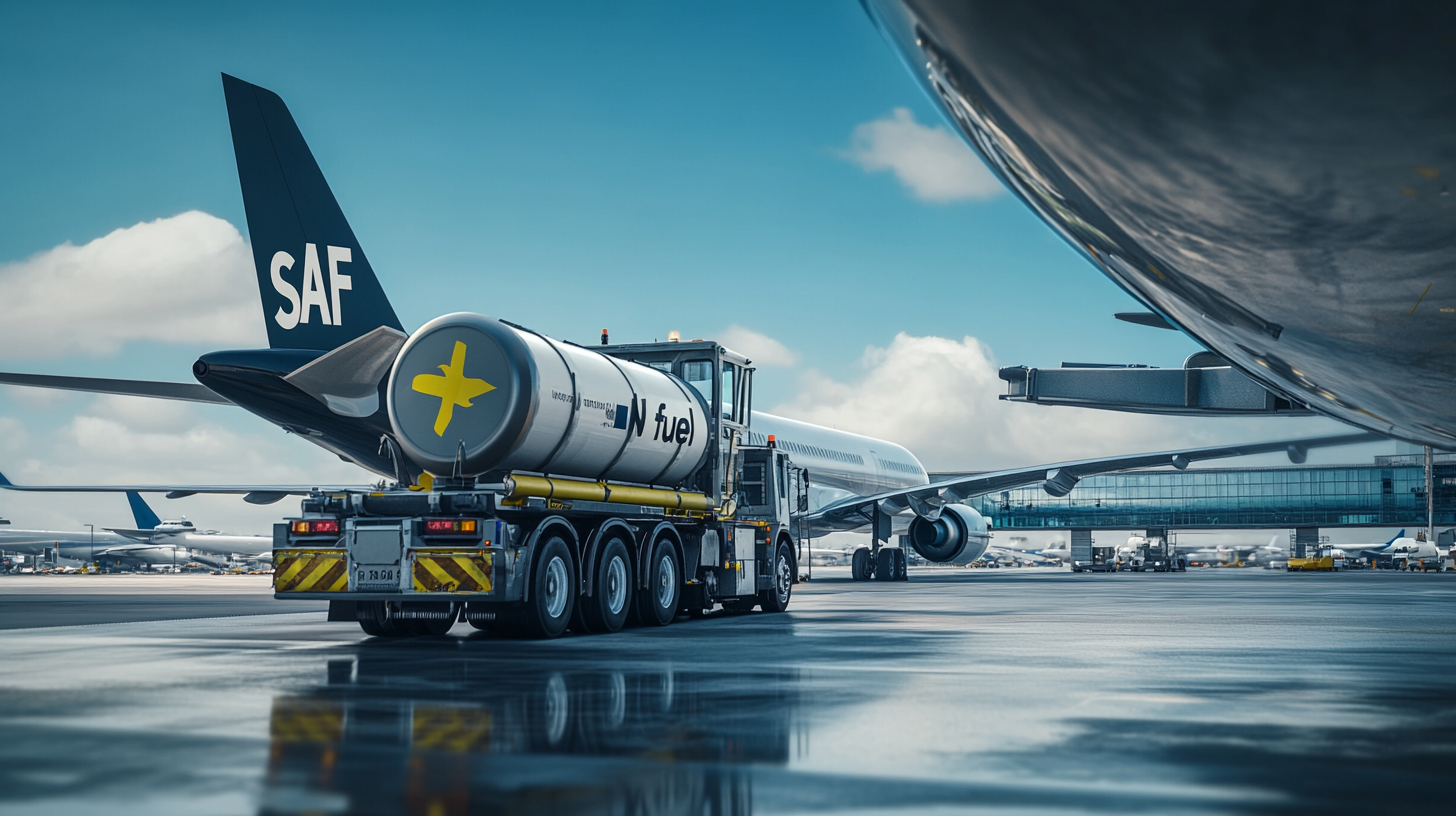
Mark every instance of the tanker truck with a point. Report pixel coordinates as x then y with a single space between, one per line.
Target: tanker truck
553 486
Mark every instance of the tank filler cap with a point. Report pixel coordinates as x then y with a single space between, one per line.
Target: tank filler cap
460 394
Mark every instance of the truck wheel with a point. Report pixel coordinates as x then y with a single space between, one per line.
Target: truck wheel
375 620
370 621
885 565
859 565
553 591
607 609
776 597
657 604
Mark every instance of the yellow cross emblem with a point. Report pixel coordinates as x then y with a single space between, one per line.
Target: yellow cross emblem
453 389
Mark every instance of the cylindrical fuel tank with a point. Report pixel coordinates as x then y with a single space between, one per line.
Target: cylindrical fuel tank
500 397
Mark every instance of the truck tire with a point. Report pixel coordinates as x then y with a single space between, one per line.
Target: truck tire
859 565
547 611
657 604
885 565
375 620
776 597
606 610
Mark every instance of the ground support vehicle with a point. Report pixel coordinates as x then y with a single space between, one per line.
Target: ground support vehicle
531 555
1156 554
1097 559
1325 559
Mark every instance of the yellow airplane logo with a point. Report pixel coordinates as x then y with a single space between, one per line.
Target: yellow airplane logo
453 389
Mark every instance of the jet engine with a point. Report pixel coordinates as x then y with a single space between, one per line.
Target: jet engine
959 536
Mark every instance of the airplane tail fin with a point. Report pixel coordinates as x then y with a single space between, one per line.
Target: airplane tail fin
4 481
319 291
1398 536
145 518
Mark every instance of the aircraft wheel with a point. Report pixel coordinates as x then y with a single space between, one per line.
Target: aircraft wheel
607 609
553 591
885 565
902 569
657 604
776 597
860 568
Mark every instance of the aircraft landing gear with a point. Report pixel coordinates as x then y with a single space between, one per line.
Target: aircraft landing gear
888 564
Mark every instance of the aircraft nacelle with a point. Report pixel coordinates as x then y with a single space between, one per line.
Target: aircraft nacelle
959 536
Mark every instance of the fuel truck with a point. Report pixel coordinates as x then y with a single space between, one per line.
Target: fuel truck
556 486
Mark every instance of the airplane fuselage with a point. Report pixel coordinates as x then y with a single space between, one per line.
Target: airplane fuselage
1273 179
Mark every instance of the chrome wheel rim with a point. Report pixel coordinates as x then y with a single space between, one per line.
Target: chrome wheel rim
555 587
785 578
616 585
666 578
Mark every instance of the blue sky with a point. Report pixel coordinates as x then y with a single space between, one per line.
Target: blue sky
642 167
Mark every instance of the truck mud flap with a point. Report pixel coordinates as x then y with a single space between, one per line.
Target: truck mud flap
310 571
451 570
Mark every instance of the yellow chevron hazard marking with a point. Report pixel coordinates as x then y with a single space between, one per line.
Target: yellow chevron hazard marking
310 571
453 571
306 721
457 729
454 388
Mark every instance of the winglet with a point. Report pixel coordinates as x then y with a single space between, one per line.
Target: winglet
145 518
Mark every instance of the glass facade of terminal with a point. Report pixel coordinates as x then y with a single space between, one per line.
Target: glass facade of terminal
1388 493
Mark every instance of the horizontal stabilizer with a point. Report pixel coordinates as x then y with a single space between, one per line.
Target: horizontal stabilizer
187 392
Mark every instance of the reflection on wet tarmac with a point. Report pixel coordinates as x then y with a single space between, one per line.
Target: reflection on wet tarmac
405 728
1224 691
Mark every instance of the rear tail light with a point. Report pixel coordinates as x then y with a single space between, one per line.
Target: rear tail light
452 527
308 527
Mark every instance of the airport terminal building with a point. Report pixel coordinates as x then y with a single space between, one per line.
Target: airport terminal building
1387 493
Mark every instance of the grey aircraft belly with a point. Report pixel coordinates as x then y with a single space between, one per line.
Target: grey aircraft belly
1272 179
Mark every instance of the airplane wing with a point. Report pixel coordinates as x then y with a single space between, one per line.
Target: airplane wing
188 392
252 494
135 535
1058 479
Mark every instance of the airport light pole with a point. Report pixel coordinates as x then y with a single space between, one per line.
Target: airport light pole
1430 498
93 544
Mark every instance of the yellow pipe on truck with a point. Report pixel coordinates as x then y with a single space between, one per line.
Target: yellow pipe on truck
546 487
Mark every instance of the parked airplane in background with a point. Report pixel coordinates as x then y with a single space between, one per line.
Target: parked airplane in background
334 338
182 534
1270 178
152 541
1238 553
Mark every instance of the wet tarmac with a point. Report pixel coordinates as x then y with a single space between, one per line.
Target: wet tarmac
1218 691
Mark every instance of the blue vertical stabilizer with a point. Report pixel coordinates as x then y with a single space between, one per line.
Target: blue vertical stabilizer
145 518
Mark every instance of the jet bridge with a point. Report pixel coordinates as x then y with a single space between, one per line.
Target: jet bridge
1205 385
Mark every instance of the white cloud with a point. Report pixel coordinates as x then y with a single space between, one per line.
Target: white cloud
933 163
119 440
760 348
938 398
184 279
